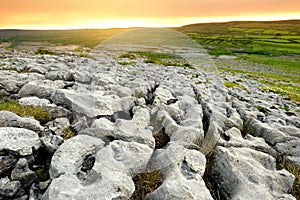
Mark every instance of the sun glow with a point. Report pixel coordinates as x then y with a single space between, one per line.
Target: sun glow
150 22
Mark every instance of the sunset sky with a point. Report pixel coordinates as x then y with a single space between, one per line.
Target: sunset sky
64 14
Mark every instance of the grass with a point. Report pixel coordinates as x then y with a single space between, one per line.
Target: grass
82 37
126 63
164 59
68 133
42 174
261 109
146 183
234 84
273 82
45 52
211 184
39 113
295 170
263 38
284 89
128 55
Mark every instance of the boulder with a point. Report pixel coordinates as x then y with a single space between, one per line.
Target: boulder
243 173
19 140
9 119
40 88
23 174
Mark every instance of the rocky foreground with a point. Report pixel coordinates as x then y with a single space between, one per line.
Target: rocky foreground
138 118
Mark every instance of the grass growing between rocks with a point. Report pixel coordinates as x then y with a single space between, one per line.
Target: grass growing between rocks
211 184
128 55
126 63
234 84
146 183
277 83
45 52
39 113
68 133
295 170
164 59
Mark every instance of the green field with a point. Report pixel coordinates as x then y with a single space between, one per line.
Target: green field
85 37
275 46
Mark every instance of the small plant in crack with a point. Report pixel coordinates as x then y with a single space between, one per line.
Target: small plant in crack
161 138
68 133
293 169
261 109
210 182
145 183
247 129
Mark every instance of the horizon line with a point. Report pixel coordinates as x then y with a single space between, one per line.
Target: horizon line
79 27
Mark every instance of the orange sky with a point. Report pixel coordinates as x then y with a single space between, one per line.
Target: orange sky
49 14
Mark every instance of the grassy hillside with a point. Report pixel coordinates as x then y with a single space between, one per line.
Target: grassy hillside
81 37
265 38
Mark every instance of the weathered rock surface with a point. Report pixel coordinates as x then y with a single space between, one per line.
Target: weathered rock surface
138 118
243 173
19 140
9 119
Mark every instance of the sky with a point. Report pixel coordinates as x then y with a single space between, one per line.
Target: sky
66 14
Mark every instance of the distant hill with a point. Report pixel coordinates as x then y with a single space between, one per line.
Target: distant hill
287 25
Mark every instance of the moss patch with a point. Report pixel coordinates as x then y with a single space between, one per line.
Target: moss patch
295 170
68 133
234 84
39 113
146 183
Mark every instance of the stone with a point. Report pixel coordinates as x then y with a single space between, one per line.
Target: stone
234 139
40 88
108 178
23 174
182 171
9 189
9 119
70 155
162 95
86 103
141 117
19 140
65 75
57 125
7 163
127 131
51 142
34 101
243 173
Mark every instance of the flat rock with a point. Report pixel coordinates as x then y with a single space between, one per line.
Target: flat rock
9 119
19 140
243 173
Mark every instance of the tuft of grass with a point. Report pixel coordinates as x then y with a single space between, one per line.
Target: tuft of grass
39 113
128 55
234 84
42 174
135 73
247 129
68 133
45 51
84 55
291 90
161 139
146 183
126 63
261 109
210 183
295 170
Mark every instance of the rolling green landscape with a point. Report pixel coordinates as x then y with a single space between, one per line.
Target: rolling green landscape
272 47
